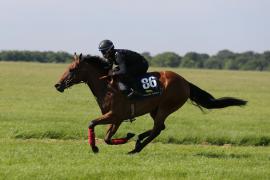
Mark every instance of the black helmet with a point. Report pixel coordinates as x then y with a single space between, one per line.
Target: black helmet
105 46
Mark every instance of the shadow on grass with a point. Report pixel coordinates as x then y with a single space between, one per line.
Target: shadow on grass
50 134
222 156
219 141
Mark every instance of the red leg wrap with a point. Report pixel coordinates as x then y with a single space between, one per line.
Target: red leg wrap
91 137
119 141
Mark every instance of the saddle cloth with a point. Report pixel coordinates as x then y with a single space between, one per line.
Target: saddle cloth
147 85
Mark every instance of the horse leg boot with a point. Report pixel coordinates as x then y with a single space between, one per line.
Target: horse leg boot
105 119
91 140
111 131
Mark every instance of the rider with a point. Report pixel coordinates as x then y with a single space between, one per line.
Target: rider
129 65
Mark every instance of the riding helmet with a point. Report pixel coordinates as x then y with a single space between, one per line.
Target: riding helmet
105 45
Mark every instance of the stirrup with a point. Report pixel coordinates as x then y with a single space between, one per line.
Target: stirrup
130 94
133 93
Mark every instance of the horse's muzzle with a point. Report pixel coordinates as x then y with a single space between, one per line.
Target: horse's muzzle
59 87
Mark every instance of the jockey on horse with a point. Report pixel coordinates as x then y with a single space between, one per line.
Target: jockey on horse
115 109
129 66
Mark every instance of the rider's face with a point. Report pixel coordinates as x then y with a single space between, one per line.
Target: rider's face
107 54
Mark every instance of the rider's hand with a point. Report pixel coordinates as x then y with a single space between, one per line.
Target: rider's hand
111 73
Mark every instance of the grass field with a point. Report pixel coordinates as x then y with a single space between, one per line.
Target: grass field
43 133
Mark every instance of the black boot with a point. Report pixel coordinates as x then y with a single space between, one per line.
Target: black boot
130 91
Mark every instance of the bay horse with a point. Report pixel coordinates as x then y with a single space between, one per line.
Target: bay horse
116 107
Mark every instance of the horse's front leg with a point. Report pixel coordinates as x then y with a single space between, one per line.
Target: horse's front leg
111 131
107 118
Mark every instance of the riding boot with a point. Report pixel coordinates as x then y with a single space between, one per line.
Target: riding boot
129 90
130 81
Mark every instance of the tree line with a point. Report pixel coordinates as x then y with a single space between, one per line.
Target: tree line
224 59
36 56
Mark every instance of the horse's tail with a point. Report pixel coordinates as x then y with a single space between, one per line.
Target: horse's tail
206 100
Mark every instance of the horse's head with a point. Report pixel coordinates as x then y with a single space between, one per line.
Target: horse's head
75 73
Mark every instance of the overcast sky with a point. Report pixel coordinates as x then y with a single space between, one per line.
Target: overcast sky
156 26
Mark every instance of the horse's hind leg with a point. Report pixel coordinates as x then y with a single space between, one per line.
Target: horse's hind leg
145 134
142 136
159 116
154 133
111 131
158 127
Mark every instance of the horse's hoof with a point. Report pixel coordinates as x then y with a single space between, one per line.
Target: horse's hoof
130 135
95 149
133 152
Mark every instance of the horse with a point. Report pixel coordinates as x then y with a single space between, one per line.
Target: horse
117 107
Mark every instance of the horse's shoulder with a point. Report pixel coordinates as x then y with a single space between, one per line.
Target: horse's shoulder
163 74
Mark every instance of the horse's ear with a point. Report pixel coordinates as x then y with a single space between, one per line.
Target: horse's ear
75 57
80 57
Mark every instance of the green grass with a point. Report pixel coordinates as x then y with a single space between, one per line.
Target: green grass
51 159
43 132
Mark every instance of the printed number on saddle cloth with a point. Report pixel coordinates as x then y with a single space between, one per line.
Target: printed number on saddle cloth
149 82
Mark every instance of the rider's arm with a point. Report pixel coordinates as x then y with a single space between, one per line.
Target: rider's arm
122 69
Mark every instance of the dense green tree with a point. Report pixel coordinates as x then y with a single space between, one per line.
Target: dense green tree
214 63
167 59
246 60
194 60
47 56
225 54
231 64
266 56
223 59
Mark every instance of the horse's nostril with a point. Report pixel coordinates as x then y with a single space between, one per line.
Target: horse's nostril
59 87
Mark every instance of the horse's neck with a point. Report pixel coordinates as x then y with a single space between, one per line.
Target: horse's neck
97 86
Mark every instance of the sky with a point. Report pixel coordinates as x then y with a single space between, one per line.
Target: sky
155 26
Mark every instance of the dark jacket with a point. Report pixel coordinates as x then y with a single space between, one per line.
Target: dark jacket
129 62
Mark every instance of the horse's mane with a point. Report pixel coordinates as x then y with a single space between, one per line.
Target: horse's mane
97 61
